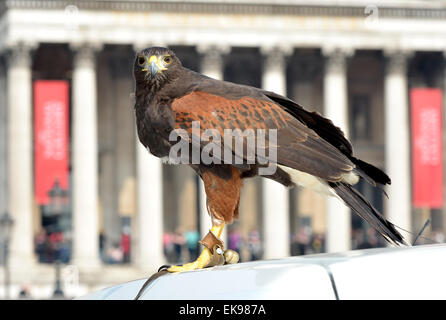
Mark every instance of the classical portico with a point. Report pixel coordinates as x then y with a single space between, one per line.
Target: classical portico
279 30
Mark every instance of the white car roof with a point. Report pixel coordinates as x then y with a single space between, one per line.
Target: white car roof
385 273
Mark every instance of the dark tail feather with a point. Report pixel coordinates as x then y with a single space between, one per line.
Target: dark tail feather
374 176
373 172
372 182
365 210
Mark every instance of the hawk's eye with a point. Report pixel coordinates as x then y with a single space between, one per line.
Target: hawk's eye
141 61
167 59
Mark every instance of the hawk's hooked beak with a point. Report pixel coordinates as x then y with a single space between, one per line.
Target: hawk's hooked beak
154 66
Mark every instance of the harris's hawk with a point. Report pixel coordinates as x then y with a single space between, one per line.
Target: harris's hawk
310 150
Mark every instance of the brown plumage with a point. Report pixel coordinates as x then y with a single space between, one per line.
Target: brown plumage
308 145
223 194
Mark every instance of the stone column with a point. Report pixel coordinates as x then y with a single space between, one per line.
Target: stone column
148 228
212 65
398 206
20 157
85 160
338 236
275 199
149 220
3 139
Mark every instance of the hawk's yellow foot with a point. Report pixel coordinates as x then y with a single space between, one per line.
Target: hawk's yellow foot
211 255
201 262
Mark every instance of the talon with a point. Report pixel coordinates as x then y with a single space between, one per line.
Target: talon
231 256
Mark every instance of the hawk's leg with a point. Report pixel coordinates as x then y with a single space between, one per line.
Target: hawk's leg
222 186
205 257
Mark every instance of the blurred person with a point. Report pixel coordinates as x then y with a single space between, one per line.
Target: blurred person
39 245
102 240
235 240
303 240
192 237
56 239
294 245
115 254
125 244
64 251
168 246
318 243
48 250
25 291
254 245
178 243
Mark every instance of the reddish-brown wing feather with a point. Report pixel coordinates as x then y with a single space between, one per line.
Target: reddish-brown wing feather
299 147
217 112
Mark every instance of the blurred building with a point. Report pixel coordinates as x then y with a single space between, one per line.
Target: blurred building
349 60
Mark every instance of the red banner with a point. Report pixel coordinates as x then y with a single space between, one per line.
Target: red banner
427 154
51 136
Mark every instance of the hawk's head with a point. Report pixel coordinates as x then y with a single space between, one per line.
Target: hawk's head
156 65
